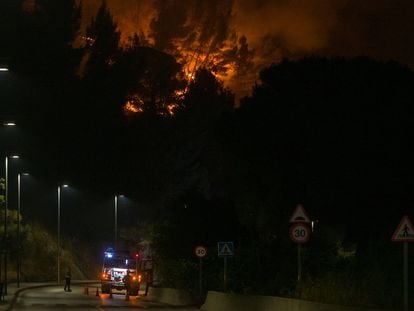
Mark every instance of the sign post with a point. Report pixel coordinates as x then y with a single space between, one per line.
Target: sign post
299 233
405 276
201 252
299 263
404 233
225 249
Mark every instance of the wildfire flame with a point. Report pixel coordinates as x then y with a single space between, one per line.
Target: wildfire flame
133 106
88 40
171 108
197 36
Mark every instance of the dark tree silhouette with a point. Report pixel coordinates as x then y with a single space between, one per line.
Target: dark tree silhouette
102 45
333 134
152 79
42 40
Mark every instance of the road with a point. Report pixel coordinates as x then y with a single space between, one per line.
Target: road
54 298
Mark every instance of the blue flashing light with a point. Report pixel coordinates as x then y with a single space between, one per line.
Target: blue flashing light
108 255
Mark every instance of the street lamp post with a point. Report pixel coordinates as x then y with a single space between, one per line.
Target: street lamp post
58 230
116 220
6 205
18 227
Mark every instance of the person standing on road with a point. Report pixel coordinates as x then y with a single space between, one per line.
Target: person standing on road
68 276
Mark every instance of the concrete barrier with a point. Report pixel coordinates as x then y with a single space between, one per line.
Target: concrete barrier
217 301
171 296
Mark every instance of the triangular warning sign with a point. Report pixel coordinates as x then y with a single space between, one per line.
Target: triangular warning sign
225 249
299 215
404 231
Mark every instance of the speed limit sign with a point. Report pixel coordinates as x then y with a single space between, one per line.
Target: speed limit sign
299 233
200 251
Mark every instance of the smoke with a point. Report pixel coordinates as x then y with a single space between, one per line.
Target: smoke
299 26
236 38
131 16
377 28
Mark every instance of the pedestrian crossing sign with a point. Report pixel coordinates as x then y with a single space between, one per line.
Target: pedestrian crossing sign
225 249
404 231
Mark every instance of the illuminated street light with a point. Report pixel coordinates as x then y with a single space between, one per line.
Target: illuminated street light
58 229
9 123
4 69
6 205
18 226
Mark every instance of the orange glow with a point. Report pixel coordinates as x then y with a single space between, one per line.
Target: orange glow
218 48
180 93
172 108
223 66
190 76
89 40
133 106
29 5
234 39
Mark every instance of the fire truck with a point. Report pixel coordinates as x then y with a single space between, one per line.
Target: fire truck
116 270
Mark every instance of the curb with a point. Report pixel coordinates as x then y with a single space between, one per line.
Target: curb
16 293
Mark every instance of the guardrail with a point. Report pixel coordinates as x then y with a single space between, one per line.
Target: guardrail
171 296
217 301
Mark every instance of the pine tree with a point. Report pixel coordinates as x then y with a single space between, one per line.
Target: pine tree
45 37
103 45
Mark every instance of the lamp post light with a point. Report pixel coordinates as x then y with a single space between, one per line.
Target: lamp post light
58 230
9 123
19 176
6 204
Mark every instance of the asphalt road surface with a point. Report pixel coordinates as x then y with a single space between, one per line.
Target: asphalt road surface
55 298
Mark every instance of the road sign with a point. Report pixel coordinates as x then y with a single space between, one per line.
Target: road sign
200 251
225 249
299 215
404 231
299 233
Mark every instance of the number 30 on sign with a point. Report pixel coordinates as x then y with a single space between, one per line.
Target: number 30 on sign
200 251
299 233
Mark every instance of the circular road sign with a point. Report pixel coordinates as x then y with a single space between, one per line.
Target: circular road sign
299 233
200 251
